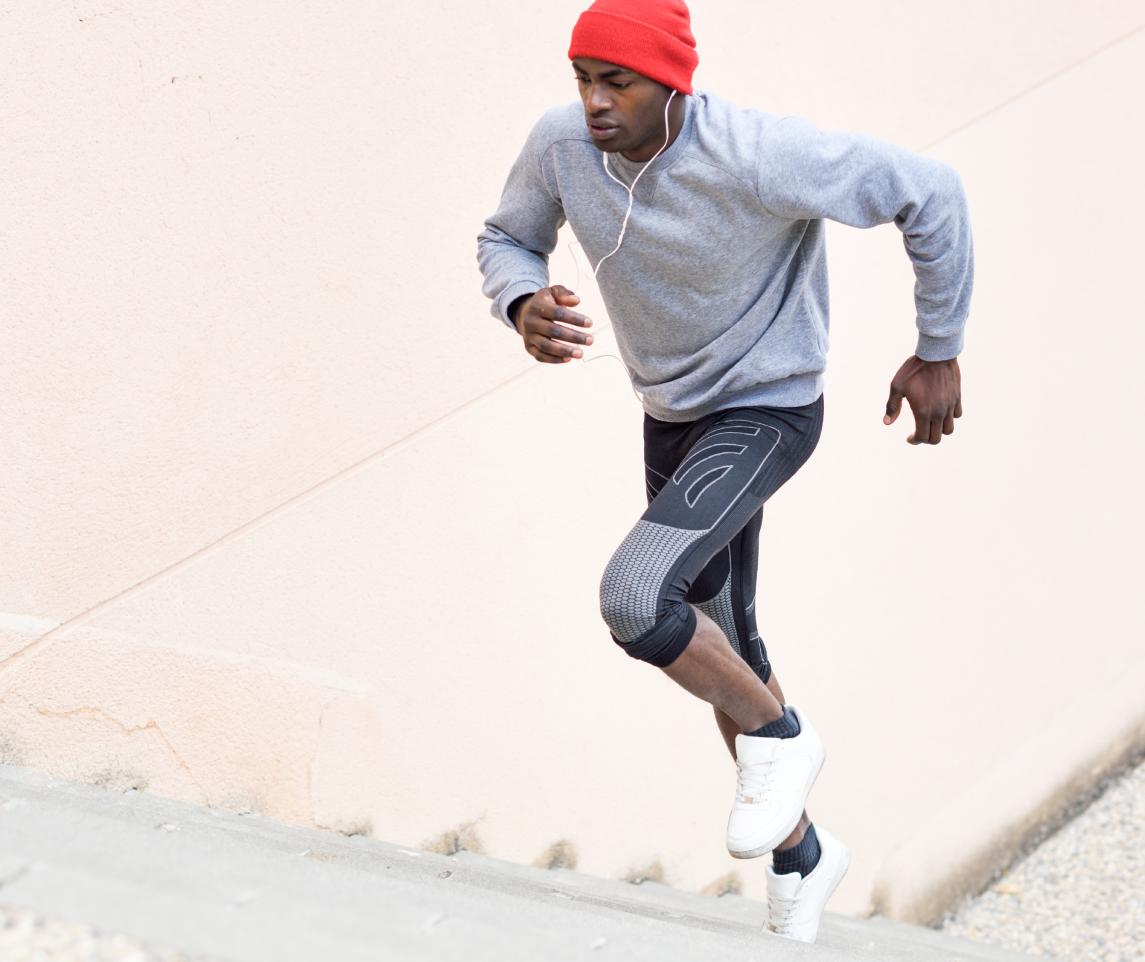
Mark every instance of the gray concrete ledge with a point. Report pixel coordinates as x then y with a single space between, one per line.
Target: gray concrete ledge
247 889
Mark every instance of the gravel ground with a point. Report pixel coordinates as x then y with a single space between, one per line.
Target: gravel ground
1080 895
26 936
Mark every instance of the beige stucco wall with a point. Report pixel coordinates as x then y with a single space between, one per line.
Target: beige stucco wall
291 524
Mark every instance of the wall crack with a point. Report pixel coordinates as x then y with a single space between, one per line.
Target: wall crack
150 725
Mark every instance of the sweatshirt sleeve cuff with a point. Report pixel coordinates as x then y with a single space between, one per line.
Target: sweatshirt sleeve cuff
510 294
939 348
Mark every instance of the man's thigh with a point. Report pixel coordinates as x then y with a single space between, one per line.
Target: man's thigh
718 485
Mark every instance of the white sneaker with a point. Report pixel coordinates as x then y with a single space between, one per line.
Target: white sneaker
795 904
775 775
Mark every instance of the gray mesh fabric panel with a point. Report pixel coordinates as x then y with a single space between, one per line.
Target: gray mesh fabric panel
630 587
719 609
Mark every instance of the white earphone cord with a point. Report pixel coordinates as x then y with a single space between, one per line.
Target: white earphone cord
627 214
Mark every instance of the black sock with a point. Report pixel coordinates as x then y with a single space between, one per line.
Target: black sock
785 727
801 858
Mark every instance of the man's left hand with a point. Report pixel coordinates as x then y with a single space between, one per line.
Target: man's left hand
934 392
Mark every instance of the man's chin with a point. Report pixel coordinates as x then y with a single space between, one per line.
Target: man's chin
609 144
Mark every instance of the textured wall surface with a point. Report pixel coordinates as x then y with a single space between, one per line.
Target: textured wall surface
289 523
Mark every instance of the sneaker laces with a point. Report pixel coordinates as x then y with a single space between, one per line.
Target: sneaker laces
754 780
780 912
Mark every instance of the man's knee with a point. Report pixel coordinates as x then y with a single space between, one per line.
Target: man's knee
646 615
664 642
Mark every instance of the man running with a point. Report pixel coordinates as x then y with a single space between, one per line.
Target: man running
713 270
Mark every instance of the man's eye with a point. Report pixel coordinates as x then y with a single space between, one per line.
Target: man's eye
621 86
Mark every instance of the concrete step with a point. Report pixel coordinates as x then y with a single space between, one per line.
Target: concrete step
247 889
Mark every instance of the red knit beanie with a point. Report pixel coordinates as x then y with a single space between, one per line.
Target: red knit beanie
652 37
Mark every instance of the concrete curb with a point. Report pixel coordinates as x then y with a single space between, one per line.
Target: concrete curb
248 889
1032 788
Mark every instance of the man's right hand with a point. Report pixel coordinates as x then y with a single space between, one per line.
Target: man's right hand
542 321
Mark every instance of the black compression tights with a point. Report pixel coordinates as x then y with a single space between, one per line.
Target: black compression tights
698 541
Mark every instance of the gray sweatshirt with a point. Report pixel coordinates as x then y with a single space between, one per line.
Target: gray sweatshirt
718 296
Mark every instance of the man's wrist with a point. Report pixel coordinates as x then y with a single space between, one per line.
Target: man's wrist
931 348
515 307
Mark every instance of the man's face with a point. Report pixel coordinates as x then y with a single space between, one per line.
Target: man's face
624 110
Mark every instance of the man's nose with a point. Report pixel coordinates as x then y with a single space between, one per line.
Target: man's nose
598 100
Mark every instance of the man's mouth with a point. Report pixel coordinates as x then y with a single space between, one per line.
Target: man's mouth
601 131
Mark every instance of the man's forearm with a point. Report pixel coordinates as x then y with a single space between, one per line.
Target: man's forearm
513 247
510 270
863 181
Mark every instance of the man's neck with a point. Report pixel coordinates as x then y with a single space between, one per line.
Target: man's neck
675 125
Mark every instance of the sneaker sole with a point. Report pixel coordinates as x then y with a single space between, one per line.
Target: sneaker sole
770 845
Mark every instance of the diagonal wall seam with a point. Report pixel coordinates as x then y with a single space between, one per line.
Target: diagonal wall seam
1060 72
401 442
266 516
